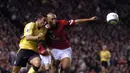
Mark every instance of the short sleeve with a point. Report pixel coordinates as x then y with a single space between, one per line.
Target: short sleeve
28 30
66 22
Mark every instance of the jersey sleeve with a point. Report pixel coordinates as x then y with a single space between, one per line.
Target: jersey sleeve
109 54
42 50
100 54
66 22
28 30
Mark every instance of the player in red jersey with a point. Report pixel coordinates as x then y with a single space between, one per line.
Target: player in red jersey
57 40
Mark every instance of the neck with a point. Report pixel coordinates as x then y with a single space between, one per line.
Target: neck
37 26
104 50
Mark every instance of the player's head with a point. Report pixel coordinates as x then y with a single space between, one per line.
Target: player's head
41 21
104 47
51 18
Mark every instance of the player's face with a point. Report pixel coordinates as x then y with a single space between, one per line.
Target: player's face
42 22
104 47
52 20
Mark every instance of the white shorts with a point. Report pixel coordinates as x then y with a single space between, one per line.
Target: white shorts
60 54
45 60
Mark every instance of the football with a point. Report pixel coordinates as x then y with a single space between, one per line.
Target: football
112 18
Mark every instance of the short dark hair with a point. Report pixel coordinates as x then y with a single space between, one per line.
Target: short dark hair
40 16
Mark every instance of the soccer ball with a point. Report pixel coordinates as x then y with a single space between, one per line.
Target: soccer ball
112 18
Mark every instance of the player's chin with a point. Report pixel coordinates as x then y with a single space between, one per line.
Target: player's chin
54 23
42 25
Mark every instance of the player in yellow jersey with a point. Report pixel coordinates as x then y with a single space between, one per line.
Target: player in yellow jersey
28 52
105 58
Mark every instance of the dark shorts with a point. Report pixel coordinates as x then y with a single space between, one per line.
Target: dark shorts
104 64
24 56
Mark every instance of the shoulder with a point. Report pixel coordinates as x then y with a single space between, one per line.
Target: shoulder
108 51
62 21
31 25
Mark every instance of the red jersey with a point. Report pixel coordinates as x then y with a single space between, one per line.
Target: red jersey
42 50
57 37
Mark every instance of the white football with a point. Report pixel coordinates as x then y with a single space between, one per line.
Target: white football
112 18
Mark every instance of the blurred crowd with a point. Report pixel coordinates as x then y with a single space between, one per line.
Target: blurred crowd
86 39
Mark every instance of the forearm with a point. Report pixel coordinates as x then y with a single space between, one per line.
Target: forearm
85 19
30 37
82 20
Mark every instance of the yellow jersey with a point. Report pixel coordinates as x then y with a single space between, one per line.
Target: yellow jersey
30 29
105 55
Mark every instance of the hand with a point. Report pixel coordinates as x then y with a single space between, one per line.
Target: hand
94 18
43 51
40 35
48 50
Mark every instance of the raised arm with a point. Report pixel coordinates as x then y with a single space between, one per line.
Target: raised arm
85 19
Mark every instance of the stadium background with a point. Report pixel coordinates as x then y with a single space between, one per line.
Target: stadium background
85 39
